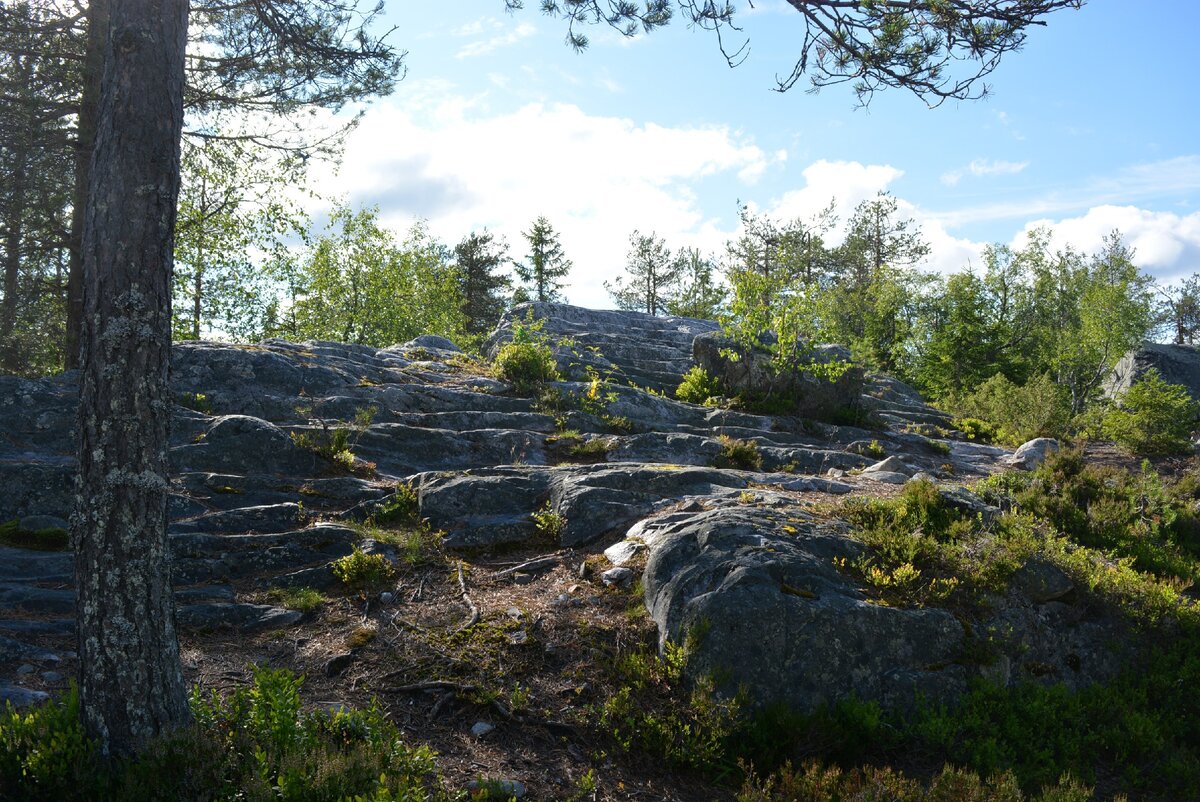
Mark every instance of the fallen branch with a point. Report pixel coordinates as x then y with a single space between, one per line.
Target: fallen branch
539 564
462 583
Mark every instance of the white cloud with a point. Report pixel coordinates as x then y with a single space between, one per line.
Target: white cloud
849 183
505 39
984 167
437 155
1177 176
1167 245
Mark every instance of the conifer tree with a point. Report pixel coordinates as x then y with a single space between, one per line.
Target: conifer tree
653 275
479 256
545 264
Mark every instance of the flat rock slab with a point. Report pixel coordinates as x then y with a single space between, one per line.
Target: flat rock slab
242 617
767 608
20 697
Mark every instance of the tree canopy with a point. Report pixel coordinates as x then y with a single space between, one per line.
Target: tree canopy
937 49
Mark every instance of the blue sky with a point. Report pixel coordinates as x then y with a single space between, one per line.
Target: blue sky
1092 126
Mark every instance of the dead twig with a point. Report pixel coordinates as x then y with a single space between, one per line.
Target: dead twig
538 564
466 597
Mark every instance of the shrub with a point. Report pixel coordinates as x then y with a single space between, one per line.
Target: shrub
1152 417
1039 408
740 454
528 361
549 524
254 745
976 430
698 386
336 444
402 508
361 571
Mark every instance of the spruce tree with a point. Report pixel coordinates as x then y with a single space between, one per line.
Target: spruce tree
545 264
479 256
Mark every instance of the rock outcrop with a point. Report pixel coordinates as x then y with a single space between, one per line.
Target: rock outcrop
629 347
1177 364
277 447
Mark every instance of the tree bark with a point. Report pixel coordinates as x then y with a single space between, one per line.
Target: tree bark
131 683
89 103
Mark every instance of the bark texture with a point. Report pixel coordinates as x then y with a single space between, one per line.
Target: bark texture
131 683
85 142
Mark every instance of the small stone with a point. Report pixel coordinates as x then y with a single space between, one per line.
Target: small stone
514 613
518 637
889 465
387 597
619 577
623 552
573 589
338 663
887 477
583 569
25 669
52 676
522 578
481 728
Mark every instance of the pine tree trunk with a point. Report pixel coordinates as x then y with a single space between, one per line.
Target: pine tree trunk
131 682
85 140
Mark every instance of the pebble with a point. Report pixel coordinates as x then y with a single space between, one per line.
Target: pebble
52 676
481 728
619 577
25 669
387 597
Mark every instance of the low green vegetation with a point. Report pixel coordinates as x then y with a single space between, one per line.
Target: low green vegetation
1153 417
698 387
548 523
304 600
49 539
336 442
526 366
527 362
197 402
360 571
740 454
255 745
1012 413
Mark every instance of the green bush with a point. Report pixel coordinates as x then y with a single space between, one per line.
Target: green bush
549 524
526 366
740 454
976 430
698 386
361 571
1039 408
1153 417
255 745
817 783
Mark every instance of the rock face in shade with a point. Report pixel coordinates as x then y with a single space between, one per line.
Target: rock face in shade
729 551
1177 364
648 350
